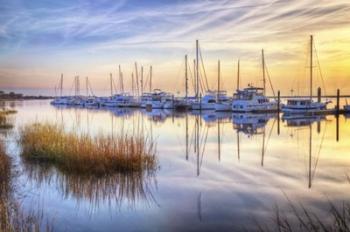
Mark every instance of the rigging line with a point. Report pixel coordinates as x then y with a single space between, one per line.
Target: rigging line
72 86
192 136
269 78
270 133
114 85
205 75
146 81
90 88
205 143
320 71
178 73
319 150
192 78
201 82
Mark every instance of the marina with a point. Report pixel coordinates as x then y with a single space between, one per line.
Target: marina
247 100
149 116
206 159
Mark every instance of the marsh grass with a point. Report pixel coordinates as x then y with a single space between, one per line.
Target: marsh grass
300 218
12 218
83 154
4 119
118 189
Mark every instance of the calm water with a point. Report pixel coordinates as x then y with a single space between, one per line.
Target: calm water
216 171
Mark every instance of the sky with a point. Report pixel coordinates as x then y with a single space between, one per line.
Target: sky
40 39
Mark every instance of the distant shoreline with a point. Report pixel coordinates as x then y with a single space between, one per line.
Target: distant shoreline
19 96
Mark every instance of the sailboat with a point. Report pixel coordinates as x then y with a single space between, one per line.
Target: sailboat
208 101
301 106
89 100
183 103
223 102
253 99
77 99
60 100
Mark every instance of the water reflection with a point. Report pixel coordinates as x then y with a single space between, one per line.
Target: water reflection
113 190
216 170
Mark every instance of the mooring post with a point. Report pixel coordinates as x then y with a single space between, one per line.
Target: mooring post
172 99
337 115
337 106
278 101
200 102
337 127
319 94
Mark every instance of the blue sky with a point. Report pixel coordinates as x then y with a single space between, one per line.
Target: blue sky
41 39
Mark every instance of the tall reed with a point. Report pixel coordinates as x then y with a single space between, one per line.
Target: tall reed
85 154
116 190
300 218
12 217
4 119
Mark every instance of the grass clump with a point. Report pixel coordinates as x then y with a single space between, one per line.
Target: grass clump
12 217
300 218
84 154
4 120
5 171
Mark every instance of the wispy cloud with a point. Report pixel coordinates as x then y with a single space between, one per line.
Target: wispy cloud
159 28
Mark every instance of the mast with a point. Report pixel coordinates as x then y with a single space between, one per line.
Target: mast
61 85
120 78
238 147
122 81
218 81
186 78
310 154
111 83
194 75
77 86
141 80
186 136
311 62
150 78
132 83
219 141
87 86
263 148
263 70
197 74
238 72
137 79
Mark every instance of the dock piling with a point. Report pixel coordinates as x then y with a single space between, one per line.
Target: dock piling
318 94
278 111
337 106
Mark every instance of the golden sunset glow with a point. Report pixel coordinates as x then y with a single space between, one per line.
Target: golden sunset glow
40 41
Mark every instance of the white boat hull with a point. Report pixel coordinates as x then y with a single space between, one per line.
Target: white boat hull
223 107
203 106
241 108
